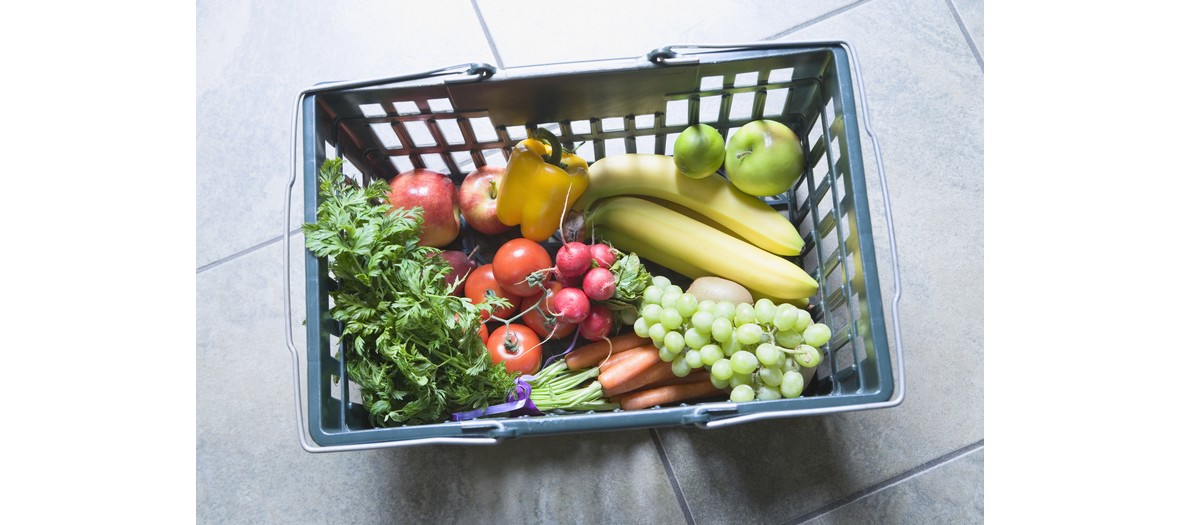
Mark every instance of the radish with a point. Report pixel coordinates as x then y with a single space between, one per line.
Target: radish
599 284
602 254
573 259
597 324
570 305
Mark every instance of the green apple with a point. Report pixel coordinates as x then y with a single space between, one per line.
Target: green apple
764 158
699 151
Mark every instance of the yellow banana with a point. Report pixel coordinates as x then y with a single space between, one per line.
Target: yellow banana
653 175
694 249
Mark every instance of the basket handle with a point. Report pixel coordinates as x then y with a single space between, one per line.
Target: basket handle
668 56
475 72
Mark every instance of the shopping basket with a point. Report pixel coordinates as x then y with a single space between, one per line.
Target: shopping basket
456 119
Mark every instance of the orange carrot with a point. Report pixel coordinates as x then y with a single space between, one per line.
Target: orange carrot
694 377
667 394
629 365
619 356
656 373
591 354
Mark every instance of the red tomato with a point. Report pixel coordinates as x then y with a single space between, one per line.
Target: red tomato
517 346
483 332
542 319
522 266
481 283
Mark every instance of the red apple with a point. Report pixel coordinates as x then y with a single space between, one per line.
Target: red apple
439 199
477 200
461 265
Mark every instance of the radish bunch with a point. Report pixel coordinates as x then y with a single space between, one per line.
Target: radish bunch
584 271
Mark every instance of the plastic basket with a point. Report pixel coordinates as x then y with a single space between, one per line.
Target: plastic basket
453 120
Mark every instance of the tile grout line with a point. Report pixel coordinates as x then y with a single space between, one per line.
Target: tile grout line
904 476
680 499
966 34
244 253
817 20
487 33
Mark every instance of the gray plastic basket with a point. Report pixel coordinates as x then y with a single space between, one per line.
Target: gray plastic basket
455 119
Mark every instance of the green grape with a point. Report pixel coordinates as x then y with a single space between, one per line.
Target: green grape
792 385
731 346
695 339
783 359
693 358
711 353
744 314
770 376
666 355
802 321
680 367
788 338
640 327
768 354
817 334
719 384
767 393
807 356
785 316
657 332
741 379
674 341
670 295
651 312
721 329
748 334
706 305
652 294
703 322
743 362
764 310
724 309
742 394
722 370
686 304
670 318
661 282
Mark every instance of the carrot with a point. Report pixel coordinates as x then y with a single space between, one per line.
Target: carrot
694 377
667 394
591 354
629 365
653 374
619 356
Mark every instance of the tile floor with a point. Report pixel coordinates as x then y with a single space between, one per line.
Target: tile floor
922 462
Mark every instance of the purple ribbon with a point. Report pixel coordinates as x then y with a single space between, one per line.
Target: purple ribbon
573 342
519 403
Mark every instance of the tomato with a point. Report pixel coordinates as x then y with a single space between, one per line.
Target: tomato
481 282
517 346
483 332
542 319
522 266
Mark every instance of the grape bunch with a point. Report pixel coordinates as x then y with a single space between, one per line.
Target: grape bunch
757 350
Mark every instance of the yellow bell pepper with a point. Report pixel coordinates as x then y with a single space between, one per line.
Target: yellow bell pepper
539 185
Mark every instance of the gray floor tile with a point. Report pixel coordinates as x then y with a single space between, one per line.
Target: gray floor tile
971 12
254 57
521 40
250 468
949 493
925 92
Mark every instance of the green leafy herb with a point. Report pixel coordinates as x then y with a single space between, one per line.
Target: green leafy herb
413 348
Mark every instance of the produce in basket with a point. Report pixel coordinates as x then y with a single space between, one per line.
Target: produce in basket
699 151
764 158
540 182
438 197
478 197
413 349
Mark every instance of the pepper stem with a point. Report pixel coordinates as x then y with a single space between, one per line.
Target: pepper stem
546 136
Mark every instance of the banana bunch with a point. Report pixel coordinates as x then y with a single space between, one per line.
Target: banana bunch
695 227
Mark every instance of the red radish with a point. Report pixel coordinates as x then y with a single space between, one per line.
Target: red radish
571 305
602 254
573 259
570 281
599 284
597 325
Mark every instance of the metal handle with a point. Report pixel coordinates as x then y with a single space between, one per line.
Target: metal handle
477 72
667 55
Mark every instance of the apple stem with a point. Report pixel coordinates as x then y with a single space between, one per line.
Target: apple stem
743 155
494 191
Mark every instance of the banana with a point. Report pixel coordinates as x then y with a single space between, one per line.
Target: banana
653 175
694 249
